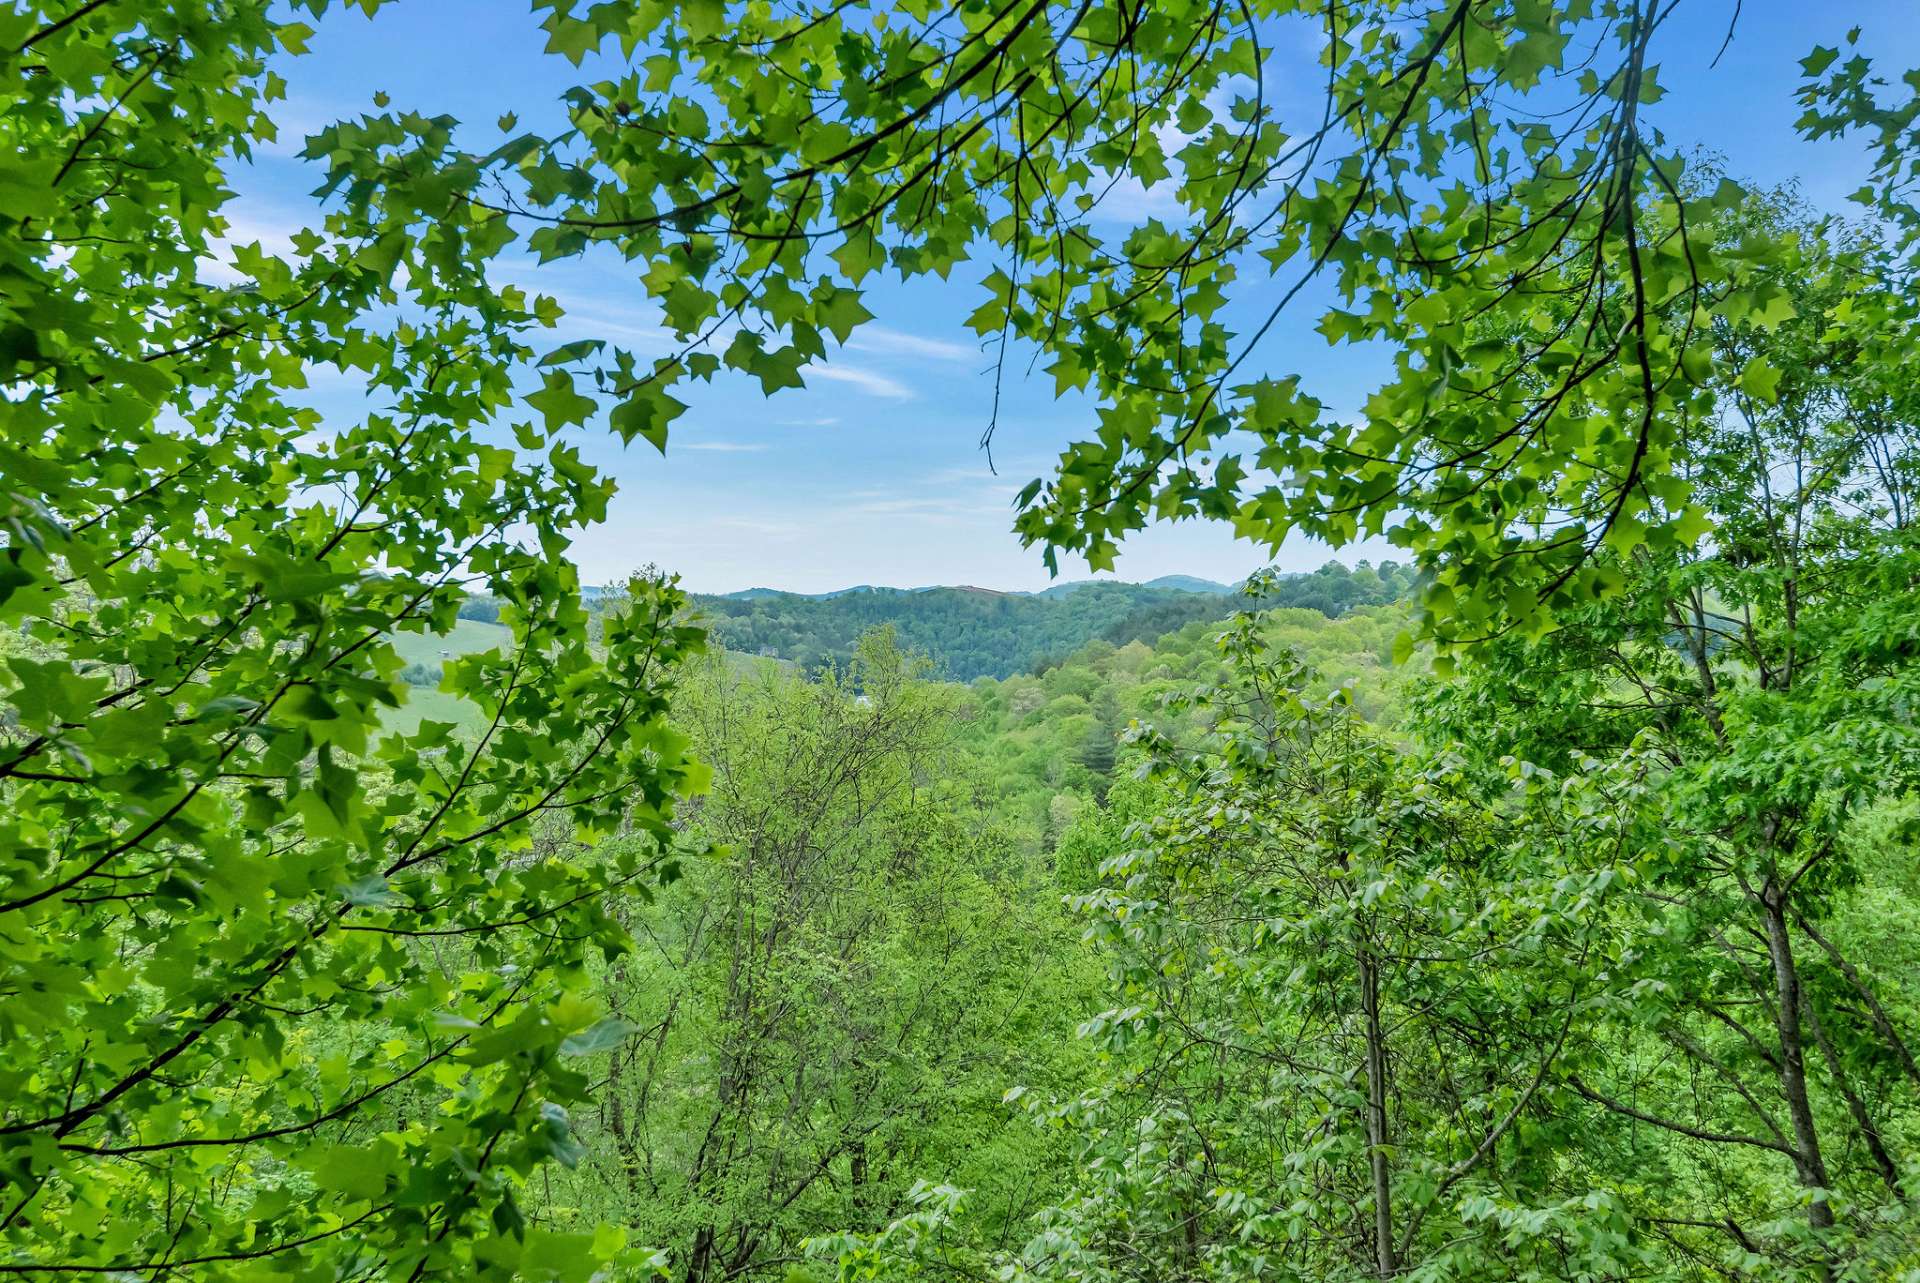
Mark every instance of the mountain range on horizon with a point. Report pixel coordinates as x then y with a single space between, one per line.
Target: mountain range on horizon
970 632
1177 583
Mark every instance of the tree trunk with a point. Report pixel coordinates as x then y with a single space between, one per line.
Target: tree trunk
1384 1256
702 1253
1856 1105
1793 1069
1881 1020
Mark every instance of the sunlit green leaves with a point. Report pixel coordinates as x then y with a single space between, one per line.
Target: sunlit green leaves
1759 379
1532 286
237 908
286 988
646 412
559 404
1273 863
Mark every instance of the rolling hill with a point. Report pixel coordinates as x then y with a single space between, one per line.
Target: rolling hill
980 632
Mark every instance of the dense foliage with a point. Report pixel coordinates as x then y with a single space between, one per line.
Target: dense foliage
1049 742
830 1008
1585 950
235 921
972 632
1482 186
1601 965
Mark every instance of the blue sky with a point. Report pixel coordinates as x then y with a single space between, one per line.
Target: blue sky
873 473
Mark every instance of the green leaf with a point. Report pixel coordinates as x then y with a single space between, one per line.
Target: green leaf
1818 61
646 413
1760 380
559 404
370 892
840 312
604 1036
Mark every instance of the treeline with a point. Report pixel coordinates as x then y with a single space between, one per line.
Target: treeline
973 633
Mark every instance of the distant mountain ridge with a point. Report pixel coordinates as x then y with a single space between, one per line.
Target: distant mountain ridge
972 632
755 594
1179 583
1193 583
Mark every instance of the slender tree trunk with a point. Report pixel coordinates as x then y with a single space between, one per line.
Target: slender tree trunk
1881 1020
1856 1105
857 1180
702 1253
1384 1256
1793 1068
614 1095
1696 637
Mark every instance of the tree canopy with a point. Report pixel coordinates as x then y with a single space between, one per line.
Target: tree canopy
1483 188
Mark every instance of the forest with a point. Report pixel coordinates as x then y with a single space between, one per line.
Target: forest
972 632
380 903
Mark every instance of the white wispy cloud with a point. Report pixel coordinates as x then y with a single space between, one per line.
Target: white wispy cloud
592 315
871 382
894 505
951 508
1129 200
922 511
755 526
947 476
878 338
627 331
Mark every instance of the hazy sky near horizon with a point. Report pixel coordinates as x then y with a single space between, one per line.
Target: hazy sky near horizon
874 472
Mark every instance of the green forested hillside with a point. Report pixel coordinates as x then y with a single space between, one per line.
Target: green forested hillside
1049 743
832 1004
972 632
